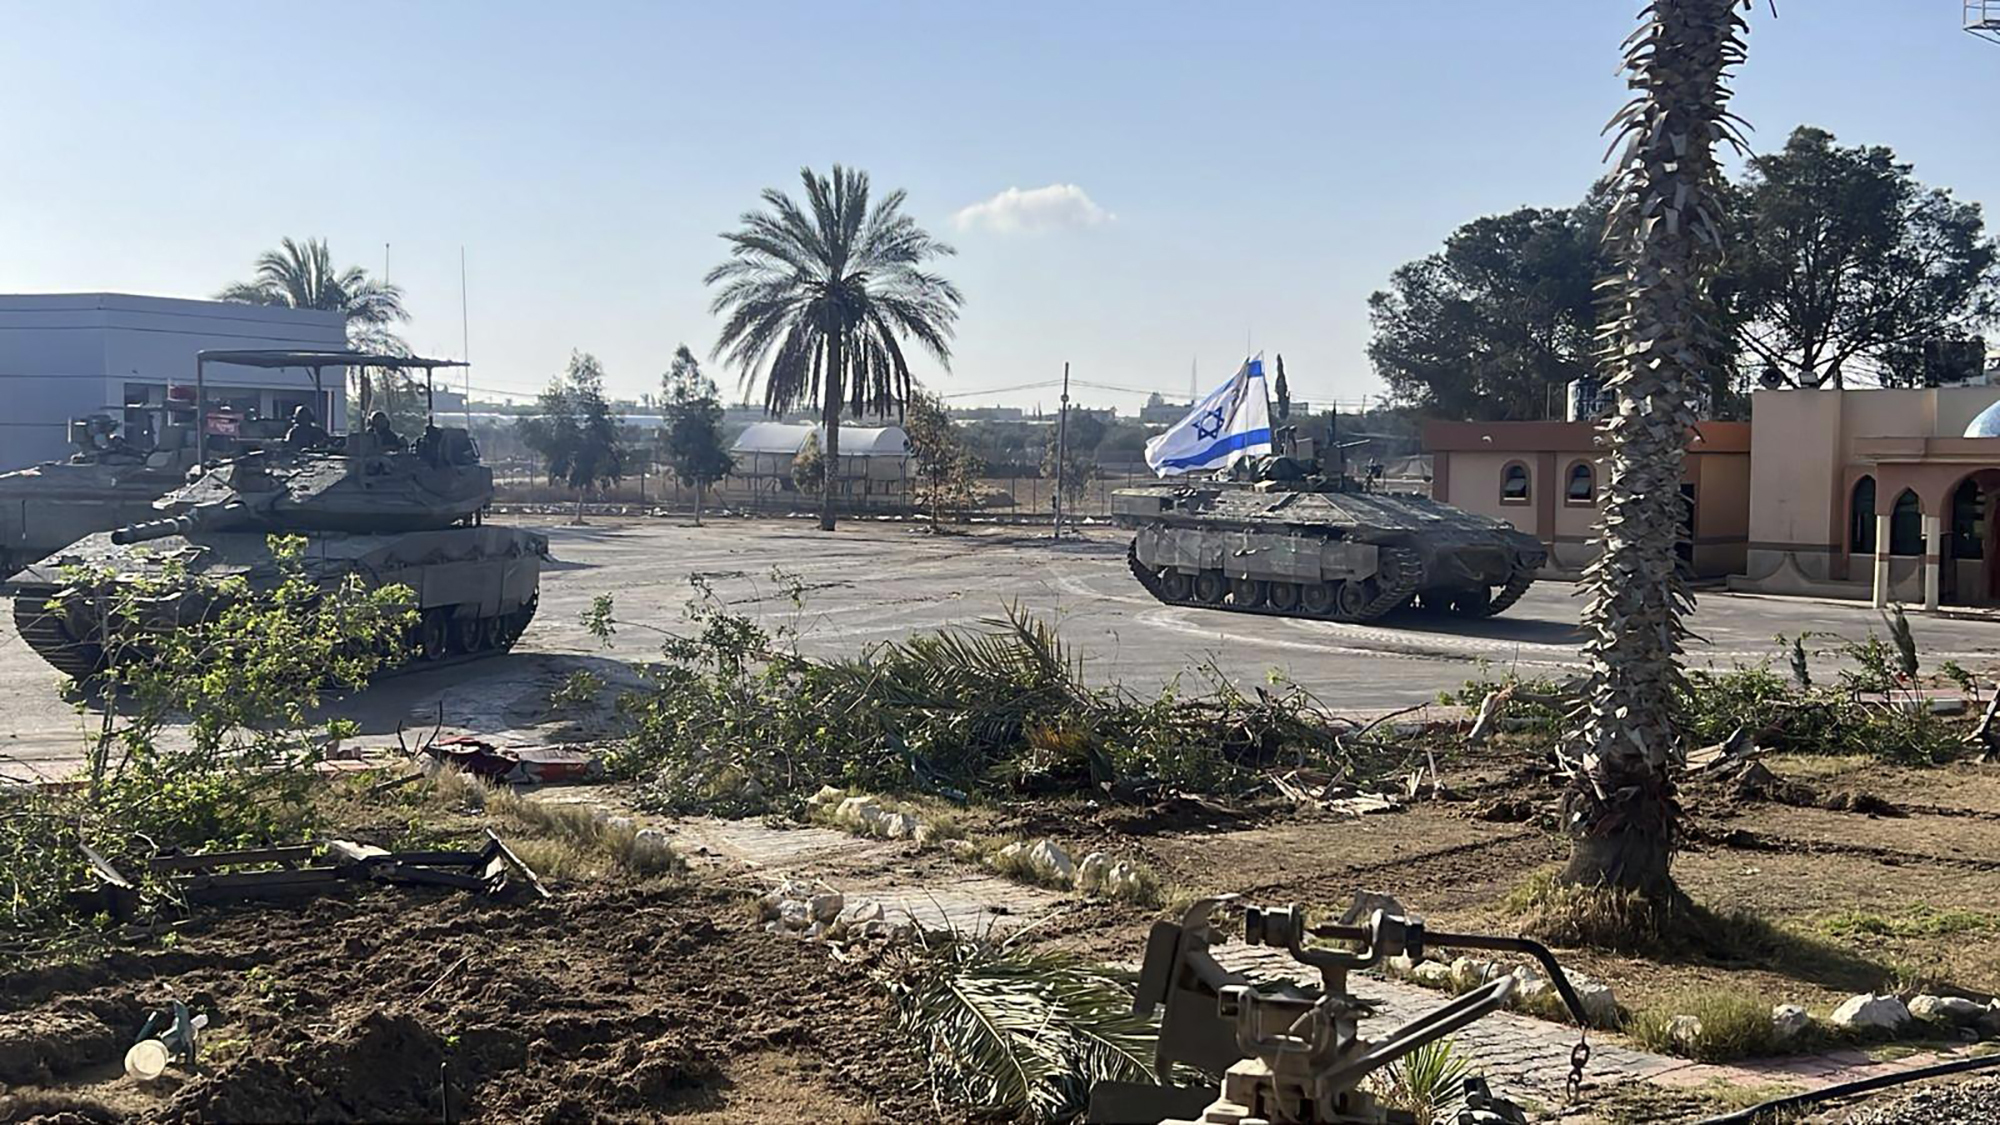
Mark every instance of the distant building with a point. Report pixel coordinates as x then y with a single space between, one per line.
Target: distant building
987 413
67 355
1159 412
1544 478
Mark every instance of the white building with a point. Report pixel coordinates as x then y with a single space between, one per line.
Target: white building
66 355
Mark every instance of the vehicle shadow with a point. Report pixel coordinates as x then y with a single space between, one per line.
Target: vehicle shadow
1524 630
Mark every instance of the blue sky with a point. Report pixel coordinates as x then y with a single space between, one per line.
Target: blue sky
1235 173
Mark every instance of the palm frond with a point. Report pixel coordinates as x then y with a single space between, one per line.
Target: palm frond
1021 1032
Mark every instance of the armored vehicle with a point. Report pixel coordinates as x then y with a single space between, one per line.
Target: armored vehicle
105 483
1280 538
366 505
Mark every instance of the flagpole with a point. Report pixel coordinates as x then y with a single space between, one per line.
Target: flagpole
1062 448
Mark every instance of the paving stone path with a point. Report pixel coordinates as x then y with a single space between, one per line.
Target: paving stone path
1525 1057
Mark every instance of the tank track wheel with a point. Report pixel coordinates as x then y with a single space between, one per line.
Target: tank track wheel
1398 573
1210 588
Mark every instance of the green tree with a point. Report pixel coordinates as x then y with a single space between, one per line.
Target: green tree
1849 264
946 467
1667 200
1506 311
574 431
821 299
809 467
1283 392
691 436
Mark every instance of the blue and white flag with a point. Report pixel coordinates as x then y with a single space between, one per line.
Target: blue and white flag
1232 423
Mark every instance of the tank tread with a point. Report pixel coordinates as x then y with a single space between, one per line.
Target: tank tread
49 636
1517 584
1402 569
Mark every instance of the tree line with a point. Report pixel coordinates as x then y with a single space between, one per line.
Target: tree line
1841 269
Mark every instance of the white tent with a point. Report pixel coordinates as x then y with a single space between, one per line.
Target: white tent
874 460
785 439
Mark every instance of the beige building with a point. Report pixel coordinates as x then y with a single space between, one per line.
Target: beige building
1543 478
1885 494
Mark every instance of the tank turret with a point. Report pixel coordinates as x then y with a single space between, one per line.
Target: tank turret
108 481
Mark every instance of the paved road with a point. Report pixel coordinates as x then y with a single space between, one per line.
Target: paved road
875 581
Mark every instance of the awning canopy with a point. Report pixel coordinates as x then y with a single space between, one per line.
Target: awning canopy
322 359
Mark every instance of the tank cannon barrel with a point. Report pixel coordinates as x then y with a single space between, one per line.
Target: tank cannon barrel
154 529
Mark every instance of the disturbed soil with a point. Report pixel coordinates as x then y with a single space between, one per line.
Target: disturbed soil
407 1005
1923 839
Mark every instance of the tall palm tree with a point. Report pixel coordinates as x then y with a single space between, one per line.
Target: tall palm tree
1665 233
302 276
819 299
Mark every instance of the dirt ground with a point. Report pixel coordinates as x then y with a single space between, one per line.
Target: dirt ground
626 1004
1822 877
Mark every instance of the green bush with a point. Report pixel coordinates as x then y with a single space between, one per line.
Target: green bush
200 735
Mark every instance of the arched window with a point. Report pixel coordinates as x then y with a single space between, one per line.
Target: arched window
1581 488
1514 484
1906 525
1861 517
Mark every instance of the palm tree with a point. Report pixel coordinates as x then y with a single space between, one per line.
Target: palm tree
302 276
819 298
1665 233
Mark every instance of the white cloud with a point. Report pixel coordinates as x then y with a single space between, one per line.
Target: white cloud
1055 207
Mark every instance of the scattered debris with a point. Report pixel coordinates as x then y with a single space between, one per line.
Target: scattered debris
824 914
309 869
514 765
170 1035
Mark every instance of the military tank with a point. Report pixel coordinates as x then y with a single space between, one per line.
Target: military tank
107 482
1280 538
365 504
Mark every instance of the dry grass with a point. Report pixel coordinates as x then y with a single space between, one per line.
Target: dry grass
563 842
1733 1026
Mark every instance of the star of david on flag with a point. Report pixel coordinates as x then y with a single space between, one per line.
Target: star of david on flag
1231 422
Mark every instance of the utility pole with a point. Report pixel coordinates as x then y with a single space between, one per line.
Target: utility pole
1062 448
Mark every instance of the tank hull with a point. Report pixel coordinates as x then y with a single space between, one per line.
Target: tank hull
48 507
1340 556
476 588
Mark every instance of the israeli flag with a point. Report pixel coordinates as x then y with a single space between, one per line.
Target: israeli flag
1232 423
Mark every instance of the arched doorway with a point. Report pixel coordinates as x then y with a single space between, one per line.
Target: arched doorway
1972 540
1861 518
1906 525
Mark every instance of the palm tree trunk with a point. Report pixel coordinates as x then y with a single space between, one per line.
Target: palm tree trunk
579 505
830 417
1619 804
699 488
